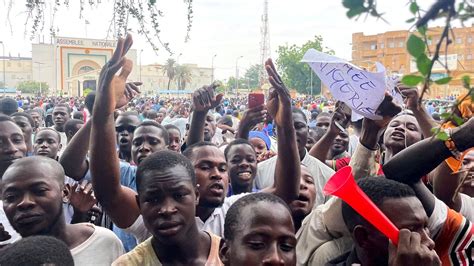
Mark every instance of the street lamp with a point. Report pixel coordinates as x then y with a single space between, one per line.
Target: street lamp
177 64
4 82
141 51
237 73
212 66
39 74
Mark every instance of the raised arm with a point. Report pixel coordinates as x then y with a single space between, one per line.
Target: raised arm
445 183
73 158
204 100
118 201
250 119
321 149
425 121
288 168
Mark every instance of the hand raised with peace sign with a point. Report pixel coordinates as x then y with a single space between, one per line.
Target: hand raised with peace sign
279 100
113 92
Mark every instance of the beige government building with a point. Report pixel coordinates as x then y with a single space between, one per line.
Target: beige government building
70 65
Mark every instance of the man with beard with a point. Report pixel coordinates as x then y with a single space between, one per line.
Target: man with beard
37 119
12 147
32 200
61 114
125 125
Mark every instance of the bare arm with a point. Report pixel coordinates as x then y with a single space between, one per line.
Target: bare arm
118 201
321 149
425 121
445 184
204 100
73 158
250 119
288 167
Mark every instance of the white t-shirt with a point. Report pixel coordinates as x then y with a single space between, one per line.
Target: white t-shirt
8 227
213 224
320 172
102 248
467 207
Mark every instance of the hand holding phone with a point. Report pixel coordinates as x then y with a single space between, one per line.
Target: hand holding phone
255 99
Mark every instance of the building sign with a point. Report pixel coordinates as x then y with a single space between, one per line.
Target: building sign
90 43
451 59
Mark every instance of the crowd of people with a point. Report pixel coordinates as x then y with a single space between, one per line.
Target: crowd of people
117 179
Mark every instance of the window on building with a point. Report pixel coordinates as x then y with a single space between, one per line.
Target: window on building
469 39
469 57
85 69
401 44
458 40
382 45
391 44
373 46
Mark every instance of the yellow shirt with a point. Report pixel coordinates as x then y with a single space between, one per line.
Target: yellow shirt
143 254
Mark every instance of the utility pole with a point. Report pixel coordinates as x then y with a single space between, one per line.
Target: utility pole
4 59
264 44
212 66
237 73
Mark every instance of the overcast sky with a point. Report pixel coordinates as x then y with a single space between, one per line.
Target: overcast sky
228 28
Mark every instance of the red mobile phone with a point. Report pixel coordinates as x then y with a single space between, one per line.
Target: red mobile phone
256 99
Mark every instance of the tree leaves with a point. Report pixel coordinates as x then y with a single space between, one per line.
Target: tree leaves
443 81
412 80
415 46
414 7
423 63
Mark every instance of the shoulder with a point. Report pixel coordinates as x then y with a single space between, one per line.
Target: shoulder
143 254
267 163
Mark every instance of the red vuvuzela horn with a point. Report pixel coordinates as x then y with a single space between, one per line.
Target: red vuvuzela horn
343 185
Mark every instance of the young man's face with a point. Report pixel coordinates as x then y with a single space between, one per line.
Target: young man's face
323 122
266 237
24 125
47 144
211 174
301 128
146 140
402 132
37 119
340 144
242 165
60 116
12 144
468 165
405 213
175 140
209 128
307 195
168 203
32 199
124 127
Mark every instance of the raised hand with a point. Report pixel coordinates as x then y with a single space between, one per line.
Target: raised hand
112 91
410 251
411 96
205 98
131 90
279 101
81 196
252 117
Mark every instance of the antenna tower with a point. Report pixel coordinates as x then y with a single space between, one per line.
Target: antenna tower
264 43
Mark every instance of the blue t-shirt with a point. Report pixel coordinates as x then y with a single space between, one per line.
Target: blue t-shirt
128 179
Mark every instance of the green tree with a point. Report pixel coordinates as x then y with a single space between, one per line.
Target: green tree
231 84
184 76
30 86
170 70
295 74
251 76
